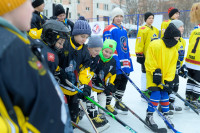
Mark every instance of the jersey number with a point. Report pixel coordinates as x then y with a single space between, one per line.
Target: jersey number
195 46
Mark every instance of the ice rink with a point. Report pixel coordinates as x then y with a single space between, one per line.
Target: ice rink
185 122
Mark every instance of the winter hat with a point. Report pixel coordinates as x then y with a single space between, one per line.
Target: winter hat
108 43
59 9
95 42
147 14
169 35
36 3
177 23
81 26
172 11
9 5
116 11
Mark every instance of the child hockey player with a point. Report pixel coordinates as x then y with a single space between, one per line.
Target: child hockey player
145 35
160 64
192 60
24 80
118 33
37 20
61 16
74 54
173 15
95 45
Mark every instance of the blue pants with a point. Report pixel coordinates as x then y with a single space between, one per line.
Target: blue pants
156 97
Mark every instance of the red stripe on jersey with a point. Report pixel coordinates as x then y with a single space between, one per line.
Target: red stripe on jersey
143 28
164 103
126 63
193 61
154 103
108 28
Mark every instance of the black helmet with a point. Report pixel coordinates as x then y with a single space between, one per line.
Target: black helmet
52 31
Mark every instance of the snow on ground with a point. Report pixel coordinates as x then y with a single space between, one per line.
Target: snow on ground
186 122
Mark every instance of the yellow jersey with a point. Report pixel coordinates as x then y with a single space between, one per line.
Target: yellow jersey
144 37
159 56
193 54
164 26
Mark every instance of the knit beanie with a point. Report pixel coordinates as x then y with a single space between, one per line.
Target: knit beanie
108 43
81 26
36 3
169 35
147 14
9 5
116 11
59 9
177 23
172 11
95 42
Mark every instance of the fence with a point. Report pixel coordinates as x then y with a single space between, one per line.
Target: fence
134 21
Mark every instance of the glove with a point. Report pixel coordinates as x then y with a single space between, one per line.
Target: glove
97 81
157 76
169 86
86 92
183 72
109 89
61 76
140 58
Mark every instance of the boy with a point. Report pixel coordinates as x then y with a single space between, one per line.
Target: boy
160 63
118 33
37 20
23 92
145 35
173 15
192 60
75 62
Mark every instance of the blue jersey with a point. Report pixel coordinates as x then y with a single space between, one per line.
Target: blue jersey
121 54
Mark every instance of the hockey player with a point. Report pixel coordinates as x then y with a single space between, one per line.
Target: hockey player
192 60
75 62
37 20
95 45
118 33
173 15
160 64
145 35
61 16
24 80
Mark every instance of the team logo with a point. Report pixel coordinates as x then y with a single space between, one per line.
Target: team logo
96 29
37 65
154 35
50 57
123 43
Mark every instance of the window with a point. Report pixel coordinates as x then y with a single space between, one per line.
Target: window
70 2
70 14
78 1
97 5
45 13
105 7
79 14
105 18
87 8
97 17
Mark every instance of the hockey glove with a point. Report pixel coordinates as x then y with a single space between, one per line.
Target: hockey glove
157 76
183 72
140 58
109 89
86 91
169 86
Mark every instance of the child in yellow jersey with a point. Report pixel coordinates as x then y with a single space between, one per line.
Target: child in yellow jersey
146 34
160 64
192 60
173 15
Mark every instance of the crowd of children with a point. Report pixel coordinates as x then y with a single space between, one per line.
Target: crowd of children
48 54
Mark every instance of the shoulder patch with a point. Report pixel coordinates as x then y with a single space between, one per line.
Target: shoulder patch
166 21
108 27
143 27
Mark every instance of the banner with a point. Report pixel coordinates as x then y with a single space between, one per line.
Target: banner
97 27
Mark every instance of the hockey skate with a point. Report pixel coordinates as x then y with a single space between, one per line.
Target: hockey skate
174 109
171 113
121 109
111 109
150 121
101 123
166 115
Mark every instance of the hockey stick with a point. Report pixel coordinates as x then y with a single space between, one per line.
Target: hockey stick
164 119
186 102
193 80
160 130
95 129
79 127
105 110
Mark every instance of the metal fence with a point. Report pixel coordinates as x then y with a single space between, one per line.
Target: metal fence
134 21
